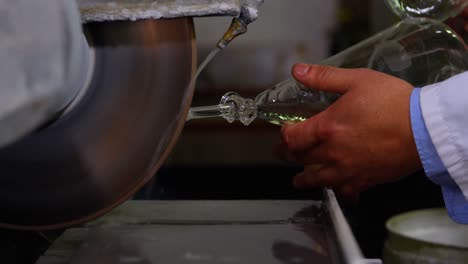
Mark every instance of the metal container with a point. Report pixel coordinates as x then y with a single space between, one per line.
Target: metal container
425 236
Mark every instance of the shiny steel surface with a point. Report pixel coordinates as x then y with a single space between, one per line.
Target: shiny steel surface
100 153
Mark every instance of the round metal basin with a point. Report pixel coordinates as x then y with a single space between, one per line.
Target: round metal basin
112 142
426 236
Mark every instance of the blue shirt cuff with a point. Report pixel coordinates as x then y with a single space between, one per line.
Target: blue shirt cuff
455 202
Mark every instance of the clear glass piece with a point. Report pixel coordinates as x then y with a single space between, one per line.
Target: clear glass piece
420 51
285 103
232 107
290 102
435 9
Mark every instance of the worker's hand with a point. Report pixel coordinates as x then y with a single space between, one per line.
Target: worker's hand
362 139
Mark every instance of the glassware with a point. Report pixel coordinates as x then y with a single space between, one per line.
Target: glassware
286 102
435 9
421 51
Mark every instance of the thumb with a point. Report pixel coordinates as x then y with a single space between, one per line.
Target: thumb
324 78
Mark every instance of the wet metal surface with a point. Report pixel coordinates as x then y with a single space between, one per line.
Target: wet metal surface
202 232
257 243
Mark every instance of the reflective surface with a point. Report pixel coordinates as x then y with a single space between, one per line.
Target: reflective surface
218 232
114 140
285 103
419 51
290 102
436 9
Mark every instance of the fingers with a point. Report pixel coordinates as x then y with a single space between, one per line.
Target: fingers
348 194
346 191
300 158
317 176
281 152
317 155
324 78
301 136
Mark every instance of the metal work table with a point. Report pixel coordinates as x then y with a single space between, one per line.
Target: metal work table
204 232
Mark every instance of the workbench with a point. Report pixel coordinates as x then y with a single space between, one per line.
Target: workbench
202 232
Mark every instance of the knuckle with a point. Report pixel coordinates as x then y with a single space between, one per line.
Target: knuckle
293 137
288 137
294 145
324 130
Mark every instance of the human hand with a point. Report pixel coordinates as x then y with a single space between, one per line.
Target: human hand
362 139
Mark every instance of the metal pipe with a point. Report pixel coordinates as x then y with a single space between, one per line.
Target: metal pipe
248 14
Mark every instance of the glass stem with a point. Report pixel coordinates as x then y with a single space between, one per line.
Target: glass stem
208 111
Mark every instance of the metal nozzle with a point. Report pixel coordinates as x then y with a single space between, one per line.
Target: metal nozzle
248 14
237 28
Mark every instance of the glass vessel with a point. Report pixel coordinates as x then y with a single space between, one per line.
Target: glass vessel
420 51
435 9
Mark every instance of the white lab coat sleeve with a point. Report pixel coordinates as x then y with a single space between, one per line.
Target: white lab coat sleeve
444 108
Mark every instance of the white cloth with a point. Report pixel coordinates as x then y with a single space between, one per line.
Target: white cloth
445 111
